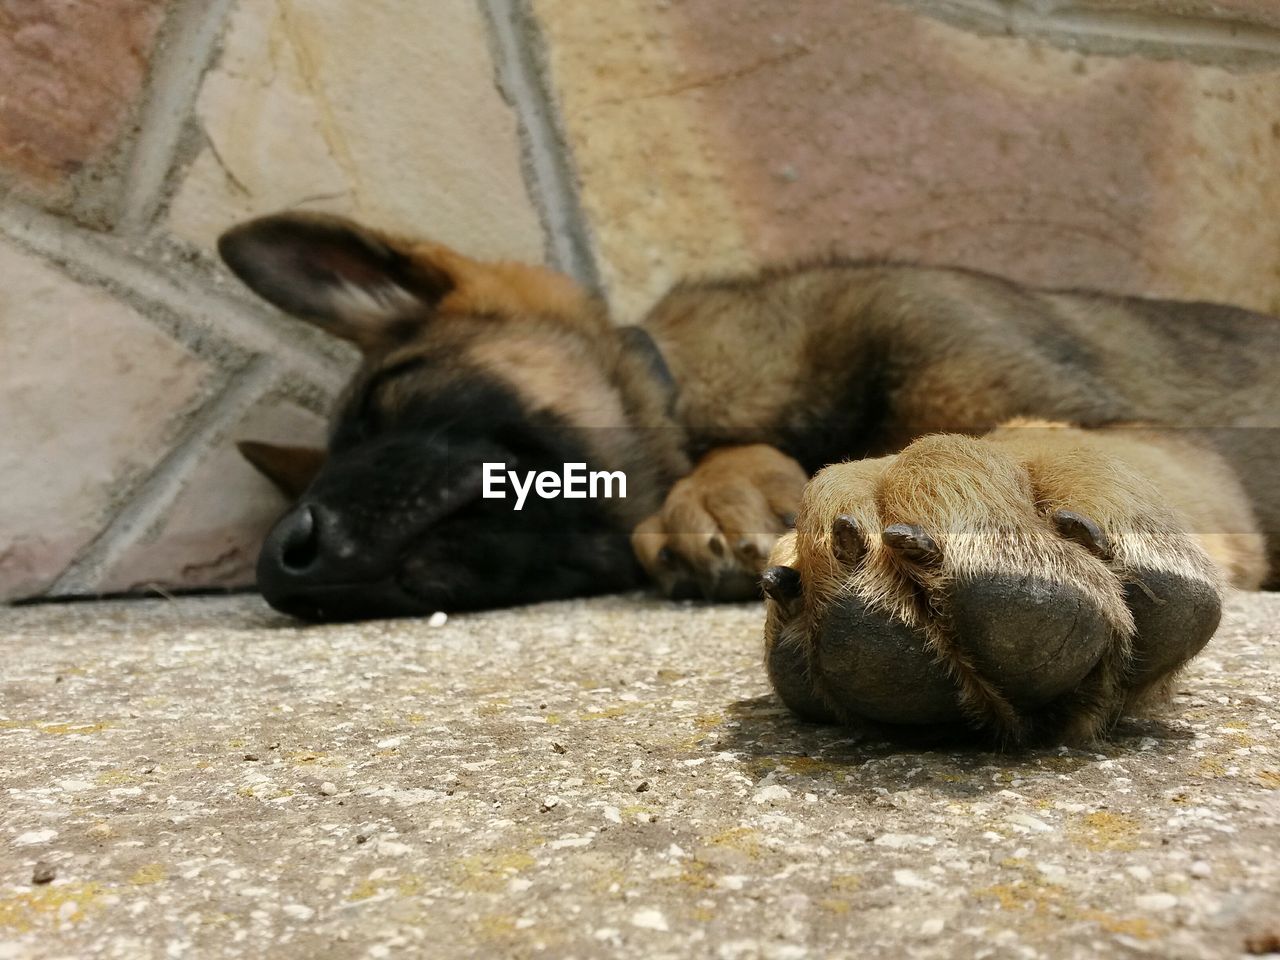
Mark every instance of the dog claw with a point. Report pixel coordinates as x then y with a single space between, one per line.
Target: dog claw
781 584
846 540
1084 531
912 543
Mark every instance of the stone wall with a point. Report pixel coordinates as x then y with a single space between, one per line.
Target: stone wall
1125 144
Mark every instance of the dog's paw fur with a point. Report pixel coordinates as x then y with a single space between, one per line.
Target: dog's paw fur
717 526
1027 586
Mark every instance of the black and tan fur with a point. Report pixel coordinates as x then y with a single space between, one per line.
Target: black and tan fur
955 564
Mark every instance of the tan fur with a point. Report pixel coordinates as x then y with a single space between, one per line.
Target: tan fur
506 289
553 349
532 361
725 515
1105 472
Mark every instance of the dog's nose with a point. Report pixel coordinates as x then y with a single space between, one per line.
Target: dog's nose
312 543
309 546
299 540
311 567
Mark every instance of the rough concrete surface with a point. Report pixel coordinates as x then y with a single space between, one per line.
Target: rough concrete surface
590 779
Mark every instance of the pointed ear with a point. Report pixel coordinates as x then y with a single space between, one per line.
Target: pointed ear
353 282
291 469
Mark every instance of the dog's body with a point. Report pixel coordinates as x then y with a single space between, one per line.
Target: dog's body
1030 583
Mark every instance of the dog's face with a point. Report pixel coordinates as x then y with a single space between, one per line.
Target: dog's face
464 364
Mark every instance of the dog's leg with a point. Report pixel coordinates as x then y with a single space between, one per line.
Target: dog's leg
715 530
1032 584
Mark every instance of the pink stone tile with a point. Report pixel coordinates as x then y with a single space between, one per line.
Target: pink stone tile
861 128
70 74
711 135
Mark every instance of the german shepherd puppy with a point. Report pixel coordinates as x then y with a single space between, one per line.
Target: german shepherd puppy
1024 508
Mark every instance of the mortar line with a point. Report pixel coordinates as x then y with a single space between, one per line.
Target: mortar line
190 39
520 62
1227 36
100 261
993 9
1070 21
154 496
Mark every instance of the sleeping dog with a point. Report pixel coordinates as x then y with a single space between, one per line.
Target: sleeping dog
970 504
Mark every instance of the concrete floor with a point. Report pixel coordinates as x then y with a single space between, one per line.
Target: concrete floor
590 779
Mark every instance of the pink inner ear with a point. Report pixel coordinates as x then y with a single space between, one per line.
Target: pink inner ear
346 267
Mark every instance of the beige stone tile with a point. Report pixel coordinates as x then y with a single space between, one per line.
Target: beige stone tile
385 111
91 397
651 174
70 74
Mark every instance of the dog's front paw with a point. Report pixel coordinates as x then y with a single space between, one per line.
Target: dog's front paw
1025 585
714 532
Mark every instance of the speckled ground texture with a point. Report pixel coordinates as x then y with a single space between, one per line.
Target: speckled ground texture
591 779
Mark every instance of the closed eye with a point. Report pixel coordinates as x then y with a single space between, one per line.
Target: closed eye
362 420
380 380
